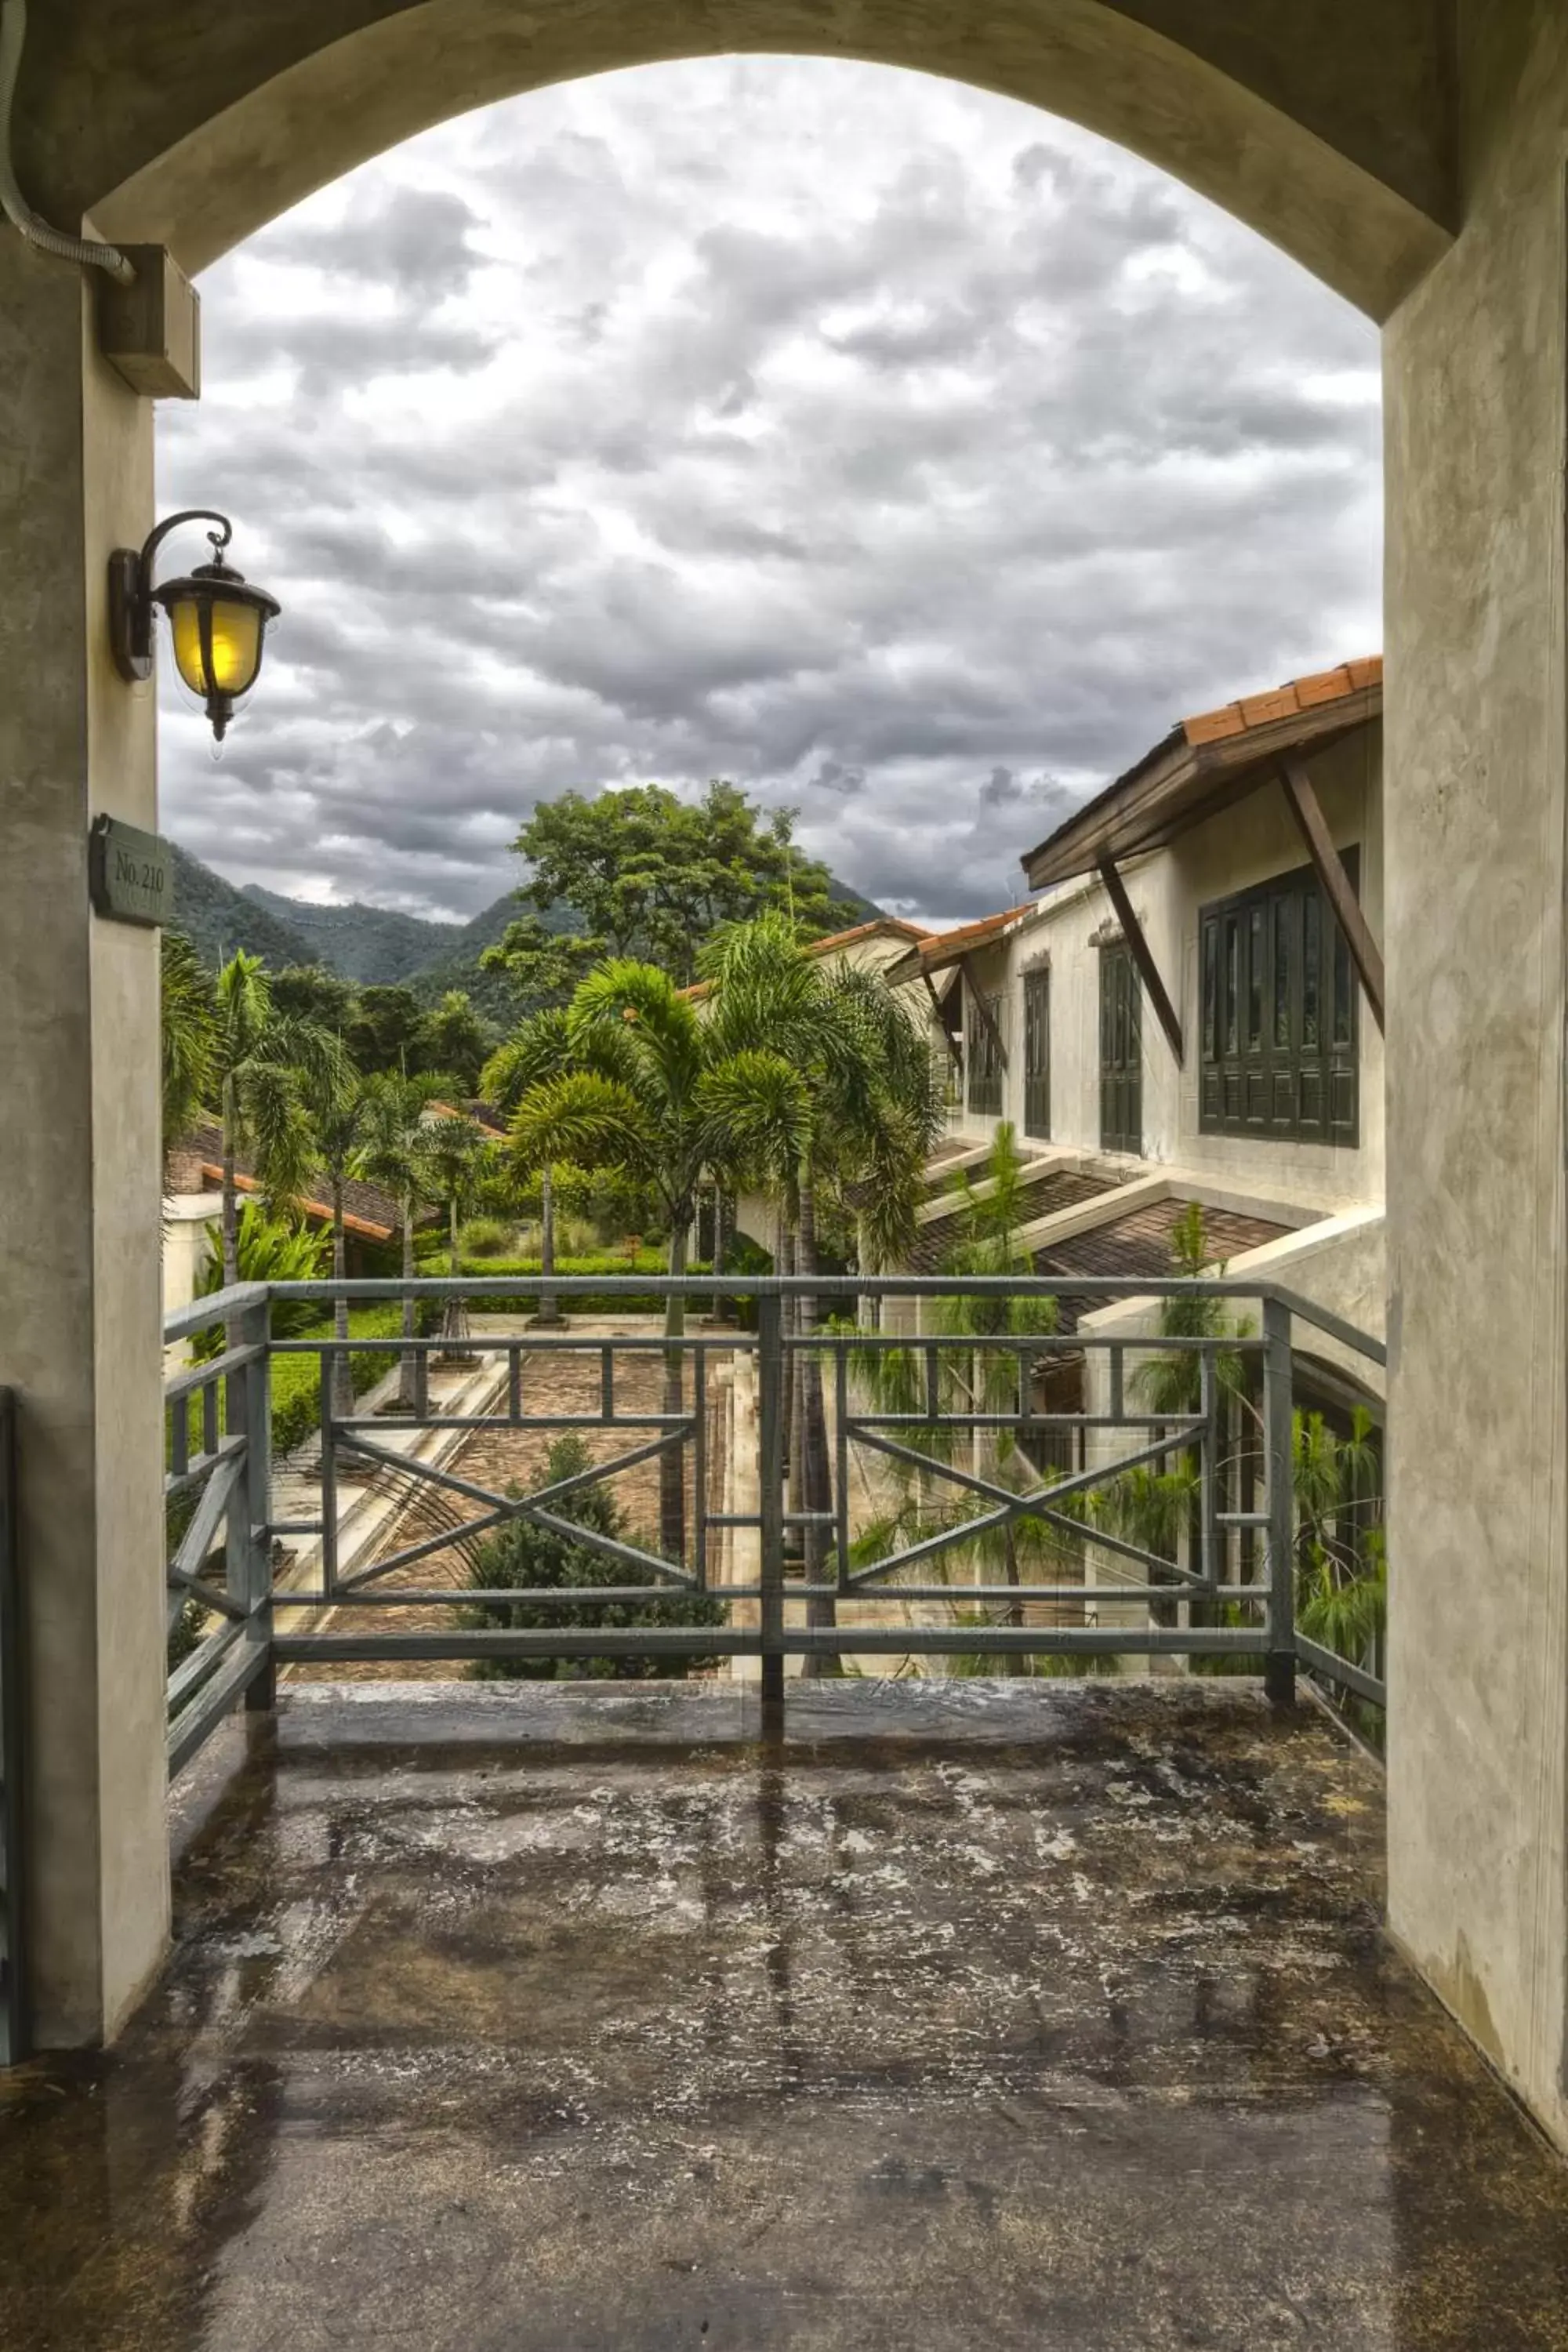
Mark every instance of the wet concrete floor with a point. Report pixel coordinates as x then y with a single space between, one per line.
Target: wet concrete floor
978 2015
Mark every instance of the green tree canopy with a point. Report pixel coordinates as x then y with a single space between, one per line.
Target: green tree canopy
384 1030
394 1153
262 1065
543 966
308 991
654 876
453 1041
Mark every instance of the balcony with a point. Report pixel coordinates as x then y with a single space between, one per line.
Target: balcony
970 2014
957 2009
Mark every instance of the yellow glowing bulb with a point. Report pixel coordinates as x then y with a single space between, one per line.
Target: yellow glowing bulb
236 642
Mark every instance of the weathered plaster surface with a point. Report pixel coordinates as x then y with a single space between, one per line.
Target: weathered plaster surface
1475 808
79 1168
1270 108
1247 843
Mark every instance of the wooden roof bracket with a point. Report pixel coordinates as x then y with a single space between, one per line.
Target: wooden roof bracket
1335 883
1143 956
987 1017
939 1006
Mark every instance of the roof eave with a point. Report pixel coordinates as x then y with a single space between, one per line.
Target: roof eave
1135 814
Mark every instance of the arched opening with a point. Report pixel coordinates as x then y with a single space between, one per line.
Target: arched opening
1411 155
1349 171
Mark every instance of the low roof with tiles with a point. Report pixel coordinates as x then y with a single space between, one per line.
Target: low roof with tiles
1204 764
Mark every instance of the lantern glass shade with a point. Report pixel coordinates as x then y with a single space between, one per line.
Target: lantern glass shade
217 642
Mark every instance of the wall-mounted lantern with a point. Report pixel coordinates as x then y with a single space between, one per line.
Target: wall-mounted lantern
217 621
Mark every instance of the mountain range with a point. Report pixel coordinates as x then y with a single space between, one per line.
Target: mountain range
372 946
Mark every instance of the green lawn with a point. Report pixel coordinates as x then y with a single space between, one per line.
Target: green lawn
296 1380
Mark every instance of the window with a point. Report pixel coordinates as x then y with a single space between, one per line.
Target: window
1279 1014
983 1056
1038 1054
1120 1053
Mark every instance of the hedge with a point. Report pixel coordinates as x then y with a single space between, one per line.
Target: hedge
602 1263
296 1380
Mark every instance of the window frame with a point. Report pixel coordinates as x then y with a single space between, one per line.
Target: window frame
982 1065
1279 1014
1037 1053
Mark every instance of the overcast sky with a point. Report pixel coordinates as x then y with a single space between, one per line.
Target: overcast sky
905 454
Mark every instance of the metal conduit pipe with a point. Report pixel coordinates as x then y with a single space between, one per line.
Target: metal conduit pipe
13 203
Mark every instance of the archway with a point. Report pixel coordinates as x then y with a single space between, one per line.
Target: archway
1349 170
1360 137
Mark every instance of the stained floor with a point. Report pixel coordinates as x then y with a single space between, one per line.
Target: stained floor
976 2015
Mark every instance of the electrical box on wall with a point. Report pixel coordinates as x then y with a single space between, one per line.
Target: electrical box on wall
150 331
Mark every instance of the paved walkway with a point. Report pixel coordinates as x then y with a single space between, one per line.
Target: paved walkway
980 2015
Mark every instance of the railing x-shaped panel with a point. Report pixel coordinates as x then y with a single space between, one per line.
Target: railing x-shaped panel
771 1463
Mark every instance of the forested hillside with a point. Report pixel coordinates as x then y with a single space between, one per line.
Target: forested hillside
372 946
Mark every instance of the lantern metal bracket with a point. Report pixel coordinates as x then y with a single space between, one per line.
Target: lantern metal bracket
130 590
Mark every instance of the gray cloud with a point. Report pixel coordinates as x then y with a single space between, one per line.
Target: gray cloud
909 456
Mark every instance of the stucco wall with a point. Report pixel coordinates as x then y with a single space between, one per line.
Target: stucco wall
1246 845
1475 373
189 1218
1266 108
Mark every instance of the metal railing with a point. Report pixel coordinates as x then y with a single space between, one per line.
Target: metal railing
768 1549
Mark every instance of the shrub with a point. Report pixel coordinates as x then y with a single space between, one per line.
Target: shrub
267 1249
523 1271
297 1382
486 1237
522 1556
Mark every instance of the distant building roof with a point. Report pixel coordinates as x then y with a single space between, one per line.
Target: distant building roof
1204 765
368 1212
938 949
1137 1247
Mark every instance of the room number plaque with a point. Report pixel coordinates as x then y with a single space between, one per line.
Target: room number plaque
130 874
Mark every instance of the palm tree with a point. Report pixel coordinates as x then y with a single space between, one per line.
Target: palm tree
453 1146
262 1063
539 1048
394 1153
186 1021
338 1111
858 1112
623 1077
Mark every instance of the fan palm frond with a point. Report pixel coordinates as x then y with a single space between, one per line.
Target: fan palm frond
589 1119
540 1047
186 1030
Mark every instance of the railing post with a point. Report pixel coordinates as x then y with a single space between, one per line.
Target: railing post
249 1556
770 1503
1208 1469
1279 1439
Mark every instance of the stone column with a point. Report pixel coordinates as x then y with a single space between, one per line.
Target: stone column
1476 813
78 1166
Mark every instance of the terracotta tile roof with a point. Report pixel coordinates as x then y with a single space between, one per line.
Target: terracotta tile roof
1297 694
938 949
1204 766
367 1210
